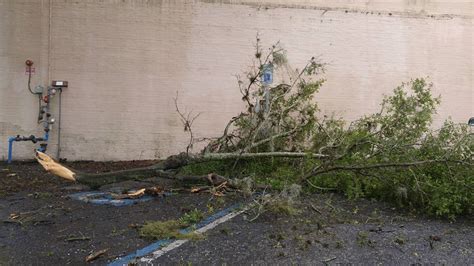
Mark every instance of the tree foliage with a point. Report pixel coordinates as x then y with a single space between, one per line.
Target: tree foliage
393 154
277 118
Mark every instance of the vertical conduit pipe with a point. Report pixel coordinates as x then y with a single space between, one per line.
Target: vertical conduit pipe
58 154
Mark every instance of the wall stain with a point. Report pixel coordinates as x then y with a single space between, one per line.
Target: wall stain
422 14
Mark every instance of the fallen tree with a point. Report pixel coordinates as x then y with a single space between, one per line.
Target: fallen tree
255 128
162 169
393 154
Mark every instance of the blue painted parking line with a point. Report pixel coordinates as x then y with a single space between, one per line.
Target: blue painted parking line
148 250
106 198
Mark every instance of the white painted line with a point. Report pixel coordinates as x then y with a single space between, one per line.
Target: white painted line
160 252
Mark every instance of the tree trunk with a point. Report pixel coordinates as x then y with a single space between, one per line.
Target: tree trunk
161 169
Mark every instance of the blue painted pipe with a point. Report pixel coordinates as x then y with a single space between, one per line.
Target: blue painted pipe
32 138
45 138
10 148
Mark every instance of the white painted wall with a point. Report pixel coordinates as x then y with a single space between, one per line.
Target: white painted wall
125 60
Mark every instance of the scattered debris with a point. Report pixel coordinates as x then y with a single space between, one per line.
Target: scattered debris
134 226
328 260
41 195
199 189
400 240
43 222
135 194
315 209
379 229
364 240
132 195
328 203
284 202
432 239
95 255
218 189
155 191
12 222
75 238
29 217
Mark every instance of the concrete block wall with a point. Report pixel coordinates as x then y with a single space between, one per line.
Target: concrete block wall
125 61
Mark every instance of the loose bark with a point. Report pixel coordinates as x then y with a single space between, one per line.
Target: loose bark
53 167
95 255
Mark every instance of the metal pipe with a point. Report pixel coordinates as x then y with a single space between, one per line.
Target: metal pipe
42 148
31 138
50 37
59 126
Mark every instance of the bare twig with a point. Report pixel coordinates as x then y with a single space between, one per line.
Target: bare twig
375 166
74 238
315 209
328 260
187 120
320 188
95 255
